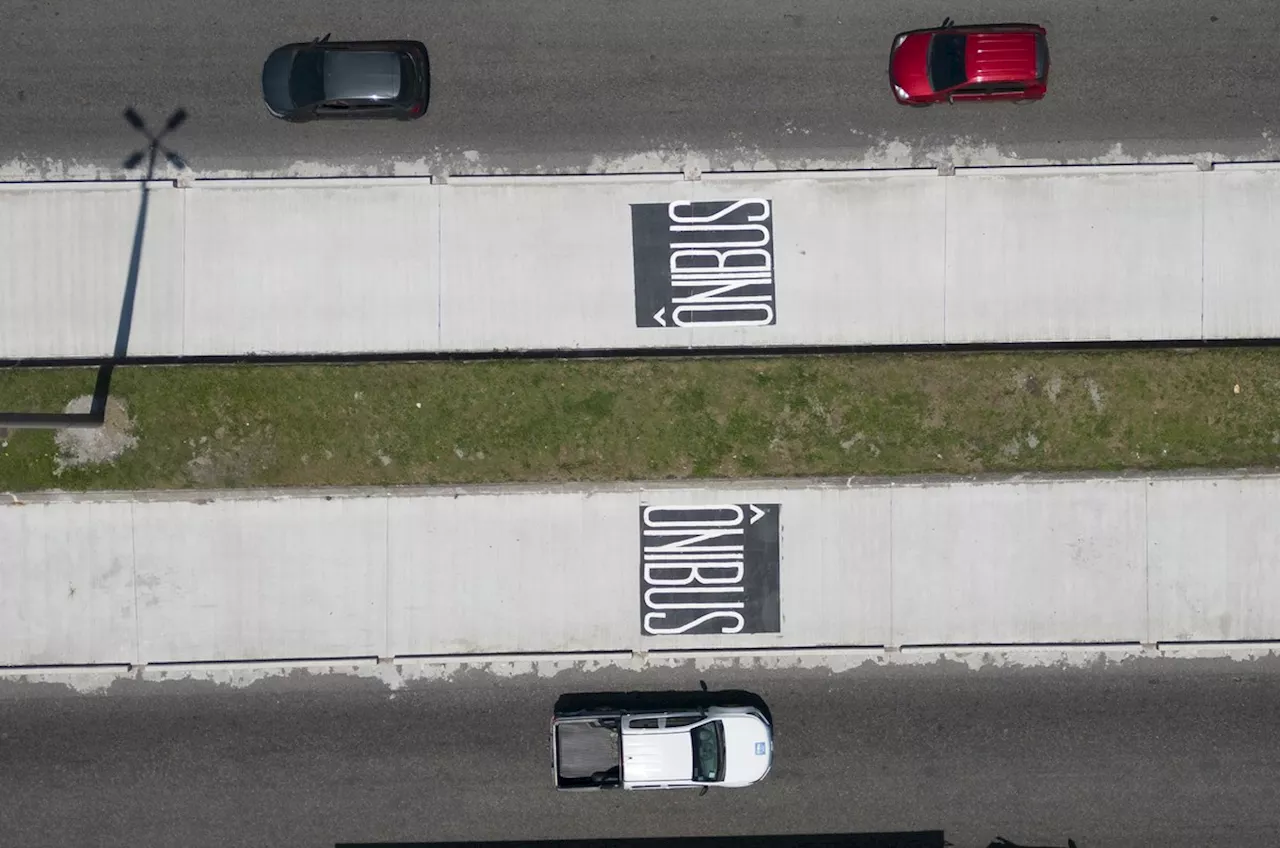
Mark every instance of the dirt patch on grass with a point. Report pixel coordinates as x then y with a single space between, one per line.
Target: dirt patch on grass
96 446
226 462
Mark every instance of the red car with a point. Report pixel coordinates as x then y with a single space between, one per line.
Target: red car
951 64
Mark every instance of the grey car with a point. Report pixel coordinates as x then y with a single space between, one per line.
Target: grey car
347 79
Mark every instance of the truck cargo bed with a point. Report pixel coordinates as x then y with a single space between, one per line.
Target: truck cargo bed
588 753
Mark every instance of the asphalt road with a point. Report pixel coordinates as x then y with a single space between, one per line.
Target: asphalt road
1152 754
572 85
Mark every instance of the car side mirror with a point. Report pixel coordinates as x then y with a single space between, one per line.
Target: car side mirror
704 791
951 98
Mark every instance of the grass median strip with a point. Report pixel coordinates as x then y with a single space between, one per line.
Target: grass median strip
493 422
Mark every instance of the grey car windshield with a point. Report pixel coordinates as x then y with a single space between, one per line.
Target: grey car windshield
708 752
945 62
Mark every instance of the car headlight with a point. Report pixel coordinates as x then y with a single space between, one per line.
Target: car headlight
897 42
900 93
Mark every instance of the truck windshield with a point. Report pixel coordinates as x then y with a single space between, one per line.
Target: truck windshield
708 752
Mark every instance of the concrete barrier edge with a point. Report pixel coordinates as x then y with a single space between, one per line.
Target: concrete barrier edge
647 176
400 670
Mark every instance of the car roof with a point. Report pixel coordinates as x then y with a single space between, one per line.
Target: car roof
361 74
658 757
1000 56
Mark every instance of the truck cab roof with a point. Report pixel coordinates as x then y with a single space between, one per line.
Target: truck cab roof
658 757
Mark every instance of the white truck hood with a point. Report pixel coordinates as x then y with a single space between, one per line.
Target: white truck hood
748 749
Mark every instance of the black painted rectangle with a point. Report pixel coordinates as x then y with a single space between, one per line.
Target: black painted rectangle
710 569
704 263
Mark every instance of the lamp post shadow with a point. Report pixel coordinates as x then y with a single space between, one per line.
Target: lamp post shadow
96 416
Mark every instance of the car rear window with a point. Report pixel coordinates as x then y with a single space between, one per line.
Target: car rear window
408 79
946 61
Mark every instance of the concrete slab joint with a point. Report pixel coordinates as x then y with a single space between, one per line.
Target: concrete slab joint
692 172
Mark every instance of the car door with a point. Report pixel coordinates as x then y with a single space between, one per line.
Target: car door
681 720
353 109
982 92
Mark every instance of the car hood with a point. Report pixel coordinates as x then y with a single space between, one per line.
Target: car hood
908 67
361 75
275 79
748 749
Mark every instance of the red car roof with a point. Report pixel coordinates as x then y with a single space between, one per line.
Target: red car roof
1000 56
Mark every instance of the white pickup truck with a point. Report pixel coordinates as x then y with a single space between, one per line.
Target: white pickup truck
712 746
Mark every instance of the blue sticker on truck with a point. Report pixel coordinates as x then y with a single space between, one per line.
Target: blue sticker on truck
760 749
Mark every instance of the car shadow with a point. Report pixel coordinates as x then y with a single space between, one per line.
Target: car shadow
899 839
656 700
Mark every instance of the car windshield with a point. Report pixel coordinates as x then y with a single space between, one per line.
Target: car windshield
946 62
708 752
306 78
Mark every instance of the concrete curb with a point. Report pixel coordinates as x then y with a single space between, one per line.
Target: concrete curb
198 496
946 169
836 658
